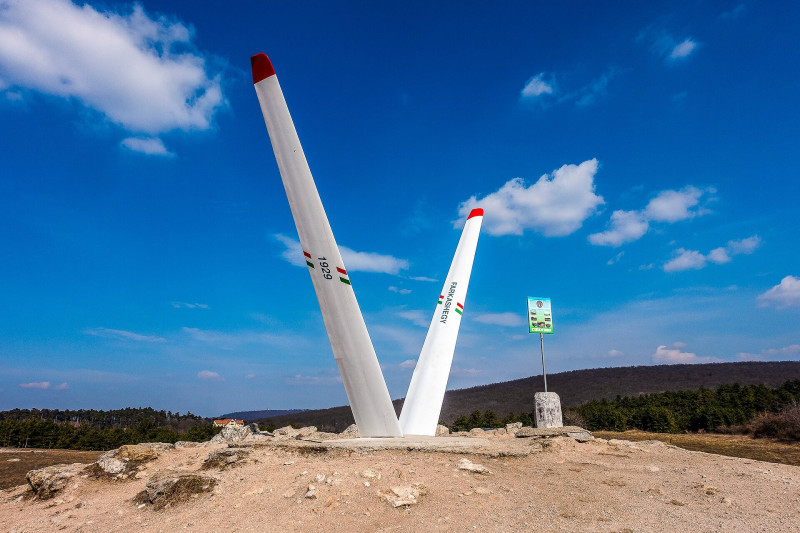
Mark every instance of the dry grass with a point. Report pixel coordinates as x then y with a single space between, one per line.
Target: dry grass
12 473
770 450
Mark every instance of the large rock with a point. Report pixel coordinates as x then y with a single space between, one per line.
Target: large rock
305 432
224 457
232 434
167 488
350 433
286 431
45 482
126 459
442 431
140 452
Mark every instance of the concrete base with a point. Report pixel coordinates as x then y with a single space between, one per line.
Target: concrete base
410 442
548 410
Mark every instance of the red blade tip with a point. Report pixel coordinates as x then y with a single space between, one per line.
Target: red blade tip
262 67
475 213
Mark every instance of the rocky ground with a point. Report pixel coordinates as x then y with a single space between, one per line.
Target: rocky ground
297 481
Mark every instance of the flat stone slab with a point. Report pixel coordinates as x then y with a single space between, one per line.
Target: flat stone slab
411 442
565 431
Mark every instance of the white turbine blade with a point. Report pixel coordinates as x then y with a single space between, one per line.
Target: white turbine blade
358 365
423 404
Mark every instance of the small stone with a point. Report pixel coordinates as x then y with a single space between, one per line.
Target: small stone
482 490
525 431
469 466
289 493
512 428
319 478
311 495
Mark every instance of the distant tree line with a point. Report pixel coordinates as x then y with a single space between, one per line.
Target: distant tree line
703 409
729 406
99 430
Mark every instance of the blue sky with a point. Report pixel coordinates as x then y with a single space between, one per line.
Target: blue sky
638 164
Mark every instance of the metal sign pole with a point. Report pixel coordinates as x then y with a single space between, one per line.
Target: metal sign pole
544 371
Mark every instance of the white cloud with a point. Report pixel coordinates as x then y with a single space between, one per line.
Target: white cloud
408 364
683 49
668 206
62 386
189 305
785 294
354 261
589 93
672 206
208 375
667 46
501 319
122 334
460 372
299 379
36 385
249 376
538 85
140 72
745 246
398 290
626 226
423 278
686 260
719 256
232 340
774 354
544 84
676 356
615 353
556 205
371 262
694 260
615 259
149 145
417 317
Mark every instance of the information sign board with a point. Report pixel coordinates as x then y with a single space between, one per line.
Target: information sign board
540 317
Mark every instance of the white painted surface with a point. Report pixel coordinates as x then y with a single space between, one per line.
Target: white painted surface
423 404
355 356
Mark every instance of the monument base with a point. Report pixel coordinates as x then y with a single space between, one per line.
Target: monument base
547 406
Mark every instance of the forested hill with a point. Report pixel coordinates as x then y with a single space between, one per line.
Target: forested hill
580 386
575 388
256 415
115 418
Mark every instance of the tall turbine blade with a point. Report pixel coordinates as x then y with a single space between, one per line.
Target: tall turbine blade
423 404
358 365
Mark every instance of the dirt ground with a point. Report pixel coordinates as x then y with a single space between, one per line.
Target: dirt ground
15 462
599 485
770 450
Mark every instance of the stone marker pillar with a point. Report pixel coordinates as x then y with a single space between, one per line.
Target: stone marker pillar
548 410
